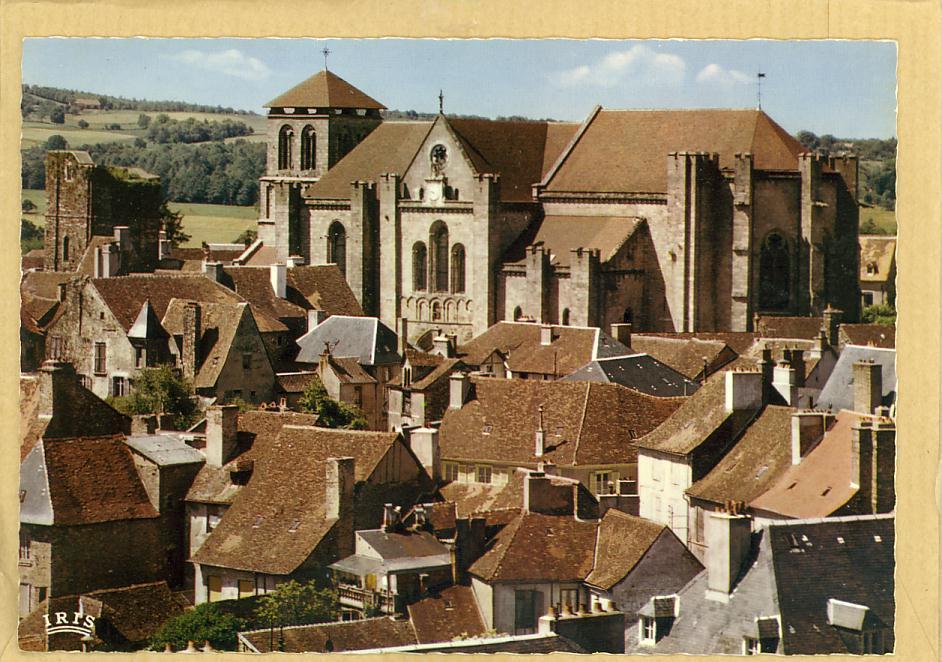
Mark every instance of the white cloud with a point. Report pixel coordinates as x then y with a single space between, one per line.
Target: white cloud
639 63
715 74
231 62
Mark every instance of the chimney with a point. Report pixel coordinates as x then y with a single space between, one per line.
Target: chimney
784 383
212 270
279 276
595 631
61 291
442 346
339 488
403 335
796 359
546 334
807 428
192 333
873 463
832 322
122 235
222 433
622 333
143 424
470 542
540 435
164 247
541 495
729 539
108 260
766 367
425 446
820 344
55 377
390 516
743 390
459 385
294 261
324 360
868 386
315 318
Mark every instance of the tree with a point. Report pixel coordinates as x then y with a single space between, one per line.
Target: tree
247 237
82 124
143 120
173 225
55 141
330 412
294 603
204 623
881 314
57 116
31 235
28 206
160 391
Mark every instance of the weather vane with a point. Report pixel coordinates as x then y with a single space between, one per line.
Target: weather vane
326 52
759 77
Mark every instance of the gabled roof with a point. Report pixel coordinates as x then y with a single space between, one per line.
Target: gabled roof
599 162
838 391
535 547
640 372
687 355
623 540
367 339
560 235
349 371
447 615
784 326
878 335
877 258
499 424
279 518
86 480
324 89
478 499
147 325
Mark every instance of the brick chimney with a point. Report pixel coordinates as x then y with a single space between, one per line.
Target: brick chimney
546 334
279 280
729 539
767 368
341 480
425 446
743 390
796 359
868 386
222 433
807 428
622 333
459 385
192 333
540 495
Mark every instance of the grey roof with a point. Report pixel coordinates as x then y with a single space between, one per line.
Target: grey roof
165 449
549 642
607 347
35 500
147 326
838 391
366 565
393 545
640 372
358 565
365 338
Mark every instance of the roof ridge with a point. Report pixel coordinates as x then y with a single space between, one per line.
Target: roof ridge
585 409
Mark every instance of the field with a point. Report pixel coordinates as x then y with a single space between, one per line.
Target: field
209 223
884 219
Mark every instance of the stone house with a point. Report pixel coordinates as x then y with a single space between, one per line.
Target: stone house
419 396
452 223
310 488
877 270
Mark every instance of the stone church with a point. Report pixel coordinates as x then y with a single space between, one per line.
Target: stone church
673 220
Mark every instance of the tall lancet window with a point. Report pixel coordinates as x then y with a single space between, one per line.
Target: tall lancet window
337 246
438 247
308 148
285 142
457 268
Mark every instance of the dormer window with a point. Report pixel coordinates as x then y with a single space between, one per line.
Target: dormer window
871 268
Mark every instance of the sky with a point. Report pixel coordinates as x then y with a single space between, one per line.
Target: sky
844 88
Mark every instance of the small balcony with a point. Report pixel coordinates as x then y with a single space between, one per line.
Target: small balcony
365 599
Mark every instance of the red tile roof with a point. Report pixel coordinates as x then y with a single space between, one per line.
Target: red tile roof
799 328
877 335
622 541
324 89
446 616
381 632
572 347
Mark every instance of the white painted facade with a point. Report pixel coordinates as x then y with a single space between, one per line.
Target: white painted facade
662 480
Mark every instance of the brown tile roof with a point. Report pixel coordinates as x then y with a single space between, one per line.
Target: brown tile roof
197 255
562 234
287 491
389 148
254 285
135 612
738 341
294 382
518 150
478 498
40 310
349 370
126 294
324 89
92 480
685 355
443 370
622 541
500 424
322 287
878 335
381 632
447 615
821 483
33 259
537 547
44 284
803 328
262 256
879 253
755 463
653 134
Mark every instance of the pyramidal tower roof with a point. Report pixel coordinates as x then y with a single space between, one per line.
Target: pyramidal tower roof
325 90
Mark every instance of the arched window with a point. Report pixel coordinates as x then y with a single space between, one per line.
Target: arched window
565 317
457 268
436 311
774 273
518 313
308 148
337 246
65 249
438 247
285 140
419 267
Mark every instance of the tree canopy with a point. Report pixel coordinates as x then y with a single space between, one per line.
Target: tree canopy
204 623
160 390
330 413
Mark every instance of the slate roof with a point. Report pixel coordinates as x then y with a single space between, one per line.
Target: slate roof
447 615
254 533
653 134
838 391
535 547
324 89
781 326
562 234
365 338
623 540
378 632
500 423
849 559
572 347
757 460
147 326
165 449
822 483
686 355
85 480
878 335
640 372
393 545
880 252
